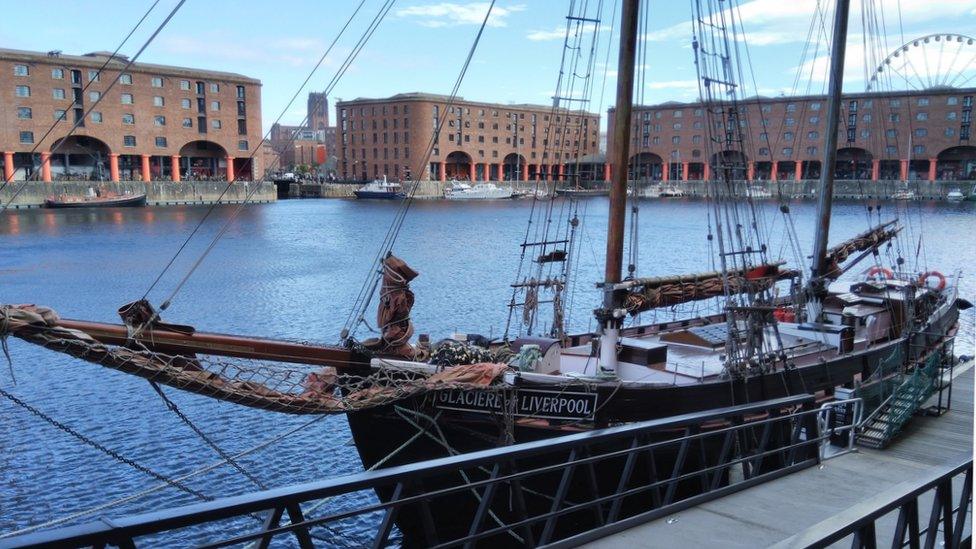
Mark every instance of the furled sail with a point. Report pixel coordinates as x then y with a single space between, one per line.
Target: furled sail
650 293
393 313
867 240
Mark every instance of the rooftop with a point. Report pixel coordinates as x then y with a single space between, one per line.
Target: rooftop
117 62
764 98
423 96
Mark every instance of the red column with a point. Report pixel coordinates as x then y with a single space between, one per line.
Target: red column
875 169
903 174
230 168
708 171
665 171
525 172
8 166
46 167
606 171
174 166
932 164
442 171
684 171
486 172
799 170
774 174
113 166
538 172
471 172
751 170
146 176
561 172
501 172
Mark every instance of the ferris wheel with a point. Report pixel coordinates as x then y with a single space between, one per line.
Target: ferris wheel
944 60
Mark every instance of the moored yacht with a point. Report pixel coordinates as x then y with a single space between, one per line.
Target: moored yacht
480 191
383 190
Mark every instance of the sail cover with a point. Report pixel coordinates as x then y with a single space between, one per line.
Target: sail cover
864 241
393 313
650 293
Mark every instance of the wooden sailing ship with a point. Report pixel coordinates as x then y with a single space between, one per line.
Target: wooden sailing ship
463 397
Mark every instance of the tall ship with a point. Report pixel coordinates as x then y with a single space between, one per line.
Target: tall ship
779 330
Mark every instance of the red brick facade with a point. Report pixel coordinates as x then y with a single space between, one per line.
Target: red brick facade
157 122
904 135
477 141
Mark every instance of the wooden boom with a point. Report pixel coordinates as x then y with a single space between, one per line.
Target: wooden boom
176 342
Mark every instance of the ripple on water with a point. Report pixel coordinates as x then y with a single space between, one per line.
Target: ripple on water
292 270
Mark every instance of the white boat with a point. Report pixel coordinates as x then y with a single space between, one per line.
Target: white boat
757 192
955 195
670 191
904 195
649 191
480 191
380 189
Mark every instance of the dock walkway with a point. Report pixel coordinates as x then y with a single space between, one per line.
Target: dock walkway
781 511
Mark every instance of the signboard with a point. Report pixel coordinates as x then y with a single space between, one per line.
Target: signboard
529 403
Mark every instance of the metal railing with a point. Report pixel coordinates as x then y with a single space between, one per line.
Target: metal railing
848 413
864 523
560 491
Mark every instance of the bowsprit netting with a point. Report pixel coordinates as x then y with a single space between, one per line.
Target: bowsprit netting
268 385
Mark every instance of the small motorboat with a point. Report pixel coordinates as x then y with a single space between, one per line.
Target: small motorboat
380 190
904 194
481 191
757 192
671 191
955 195
96 200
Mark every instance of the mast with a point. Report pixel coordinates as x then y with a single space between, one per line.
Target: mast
825 193
611 314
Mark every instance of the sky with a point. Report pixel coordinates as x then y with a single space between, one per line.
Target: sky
420 45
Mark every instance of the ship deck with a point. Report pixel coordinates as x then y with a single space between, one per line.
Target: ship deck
785 511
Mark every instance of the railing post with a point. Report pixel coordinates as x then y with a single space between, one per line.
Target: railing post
301 532
484 505
963 510
270 523
387 524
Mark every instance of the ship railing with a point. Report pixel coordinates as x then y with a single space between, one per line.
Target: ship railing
837 419
892 518
559 492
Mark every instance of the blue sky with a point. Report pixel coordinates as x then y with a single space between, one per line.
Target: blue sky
421 44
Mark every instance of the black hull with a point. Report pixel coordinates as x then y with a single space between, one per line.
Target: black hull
382 434
122 202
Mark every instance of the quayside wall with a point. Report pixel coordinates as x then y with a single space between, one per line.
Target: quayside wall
31 194
805 188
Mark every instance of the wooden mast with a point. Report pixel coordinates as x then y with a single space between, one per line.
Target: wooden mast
612 313
825 192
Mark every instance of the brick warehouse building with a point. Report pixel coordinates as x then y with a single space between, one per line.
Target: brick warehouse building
157 123
477 142
918 135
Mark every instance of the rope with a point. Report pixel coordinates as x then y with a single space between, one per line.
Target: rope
101 448
220 452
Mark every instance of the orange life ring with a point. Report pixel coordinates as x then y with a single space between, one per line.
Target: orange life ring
884 272
924 279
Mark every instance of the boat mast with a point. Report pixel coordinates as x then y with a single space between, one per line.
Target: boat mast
611 315
819 268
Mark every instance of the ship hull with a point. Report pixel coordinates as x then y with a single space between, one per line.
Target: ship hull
134 201
385 435
376 195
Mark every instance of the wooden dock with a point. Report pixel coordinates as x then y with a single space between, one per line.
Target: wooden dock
792 510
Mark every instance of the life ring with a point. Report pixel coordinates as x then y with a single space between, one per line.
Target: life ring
885 273
924 279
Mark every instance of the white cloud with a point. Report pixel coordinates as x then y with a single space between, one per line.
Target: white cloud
558 33
773 22
454 13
